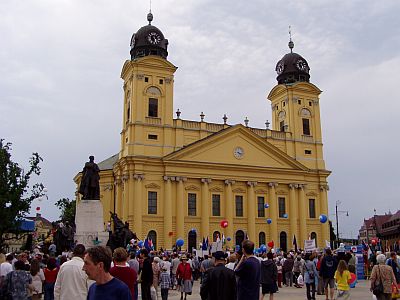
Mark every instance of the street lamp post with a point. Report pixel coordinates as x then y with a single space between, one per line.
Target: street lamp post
337 220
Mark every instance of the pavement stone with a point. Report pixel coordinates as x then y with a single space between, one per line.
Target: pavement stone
360 292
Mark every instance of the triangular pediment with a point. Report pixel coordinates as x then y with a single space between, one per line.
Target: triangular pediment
238 146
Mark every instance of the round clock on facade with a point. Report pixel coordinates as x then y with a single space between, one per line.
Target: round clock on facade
302 65
238 152
280 67
154 38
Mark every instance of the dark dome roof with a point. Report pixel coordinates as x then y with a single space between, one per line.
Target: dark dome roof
292 67
148 40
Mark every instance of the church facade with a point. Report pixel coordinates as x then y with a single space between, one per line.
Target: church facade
175 178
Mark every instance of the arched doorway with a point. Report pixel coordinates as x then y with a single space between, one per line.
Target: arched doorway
239 237
313 236
192 240
152 235
283 241
216 235
261 239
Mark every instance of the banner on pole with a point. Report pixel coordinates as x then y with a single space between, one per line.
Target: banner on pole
309 245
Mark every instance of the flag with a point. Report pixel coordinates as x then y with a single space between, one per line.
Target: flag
294 243
204 245
223 239
207 242
148 244
364 245
247 237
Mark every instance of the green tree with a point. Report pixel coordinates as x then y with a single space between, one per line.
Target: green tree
68 209
16 195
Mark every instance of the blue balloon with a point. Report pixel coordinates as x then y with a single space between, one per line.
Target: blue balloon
256 250
323 218
266 205
180 242
263 248
237 248
138 253
285 216
140 244
269 221
228 239
193 230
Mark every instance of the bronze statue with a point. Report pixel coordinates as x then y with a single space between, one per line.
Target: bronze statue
89 187
121 235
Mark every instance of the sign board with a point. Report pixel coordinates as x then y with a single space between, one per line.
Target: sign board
309 245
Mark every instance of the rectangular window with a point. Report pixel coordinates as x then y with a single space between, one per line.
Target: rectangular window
307 152
311 208
153 107
260 207
152 203
282 207
191 204
306 127
216 205
152 137
161 81
239 206
146 79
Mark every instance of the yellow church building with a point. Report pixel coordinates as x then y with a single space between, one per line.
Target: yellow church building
175 178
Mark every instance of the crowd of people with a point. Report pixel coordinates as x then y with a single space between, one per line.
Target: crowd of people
97 273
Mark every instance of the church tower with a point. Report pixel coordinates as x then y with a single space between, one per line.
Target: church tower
295 109
148 95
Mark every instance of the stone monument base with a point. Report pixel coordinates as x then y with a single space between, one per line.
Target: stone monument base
90 229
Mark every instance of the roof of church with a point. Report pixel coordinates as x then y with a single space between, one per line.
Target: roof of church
292 67
108 163
148 40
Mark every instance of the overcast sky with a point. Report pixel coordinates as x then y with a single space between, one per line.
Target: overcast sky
61 92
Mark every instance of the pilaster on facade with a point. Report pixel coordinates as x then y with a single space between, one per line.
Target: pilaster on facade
324 187
138 177
273 212
252 183
206 180
229 182
273 184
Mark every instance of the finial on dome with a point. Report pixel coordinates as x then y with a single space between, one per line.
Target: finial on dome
291 44
150 17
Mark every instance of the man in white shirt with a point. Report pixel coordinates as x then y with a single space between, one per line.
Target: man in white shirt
72 282
6 267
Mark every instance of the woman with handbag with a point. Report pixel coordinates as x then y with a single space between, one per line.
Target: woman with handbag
309 271
382 278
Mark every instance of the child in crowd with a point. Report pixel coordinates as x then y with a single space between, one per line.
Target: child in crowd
342 277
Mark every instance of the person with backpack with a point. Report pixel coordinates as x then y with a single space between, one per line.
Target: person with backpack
327 272
309 271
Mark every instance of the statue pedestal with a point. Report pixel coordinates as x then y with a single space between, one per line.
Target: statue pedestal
89 223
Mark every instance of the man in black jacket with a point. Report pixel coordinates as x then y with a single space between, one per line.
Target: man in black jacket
147 275
269 276
219 283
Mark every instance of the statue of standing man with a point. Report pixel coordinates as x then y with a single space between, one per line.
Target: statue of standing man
90 188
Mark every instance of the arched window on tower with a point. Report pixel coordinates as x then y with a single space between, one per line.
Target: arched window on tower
128 112
154 94
306 115
152 235
261 239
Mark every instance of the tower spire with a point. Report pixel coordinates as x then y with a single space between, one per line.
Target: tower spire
150 15
291 44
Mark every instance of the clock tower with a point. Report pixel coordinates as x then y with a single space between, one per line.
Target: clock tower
295 109
148 95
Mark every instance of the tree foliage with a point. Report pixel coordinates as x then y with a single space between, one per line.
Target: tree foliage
16 195
68 208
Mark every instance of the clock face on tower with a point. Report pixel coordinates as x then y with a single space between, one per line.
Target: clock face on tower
302 65
154 38
238 152
280 67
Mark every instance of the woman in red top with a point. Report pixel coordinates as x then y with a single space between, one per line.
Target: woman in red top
50 276
122 271
184 277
